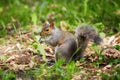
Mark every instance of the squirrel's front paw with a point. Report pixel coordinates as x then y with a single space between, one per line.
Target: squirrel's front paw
41 40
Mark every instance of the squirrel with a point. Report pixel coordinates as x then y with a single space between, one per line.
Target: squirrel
68 46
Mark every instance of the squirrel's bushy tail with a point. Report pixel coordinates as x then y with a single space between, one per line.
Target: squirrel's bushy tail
84 34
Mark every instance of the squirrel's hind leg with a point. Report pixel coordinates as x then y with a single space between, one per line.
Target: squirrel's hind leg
66 50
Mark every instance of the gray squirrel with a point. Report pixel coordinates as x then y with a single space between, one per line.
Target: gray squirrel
67 45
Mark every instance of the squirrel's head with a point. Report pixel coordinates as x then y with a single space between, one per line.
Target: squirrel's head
47 29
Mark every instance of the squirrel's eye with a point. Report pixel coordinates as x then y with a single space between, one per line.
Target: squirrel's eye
47 30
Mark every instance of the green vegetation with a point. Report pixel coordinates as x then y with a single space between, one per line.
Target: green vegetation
58 71
7 75
103 14
22 15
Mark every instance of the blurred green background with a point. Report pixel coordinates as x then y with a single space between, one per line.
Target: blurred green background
103 14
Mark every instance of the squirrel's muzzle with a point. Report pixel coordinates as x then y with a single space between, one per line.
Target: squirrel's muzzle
42 34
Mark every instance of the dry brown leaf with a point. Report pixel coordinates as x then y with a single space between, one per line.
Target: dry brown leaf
118 65
112 53
107 68
117 40
49 49
111 41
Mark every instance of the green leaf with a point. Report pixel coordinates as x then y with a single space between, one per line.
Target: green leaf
117 47
95 48
34 18
42 51
102 34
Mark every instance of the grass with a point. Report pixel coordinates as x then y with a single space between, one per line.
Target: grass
7 75
72 12
21 15
57 72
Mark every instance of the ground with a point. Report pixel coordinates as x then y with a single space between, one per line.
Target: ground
23 57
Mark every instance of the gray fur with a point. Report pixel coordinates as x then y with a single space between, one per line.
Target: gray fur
54 37
66 50
72 46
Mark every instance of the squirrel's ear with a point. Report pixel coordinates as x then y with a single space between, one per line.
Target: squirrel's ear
52 25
